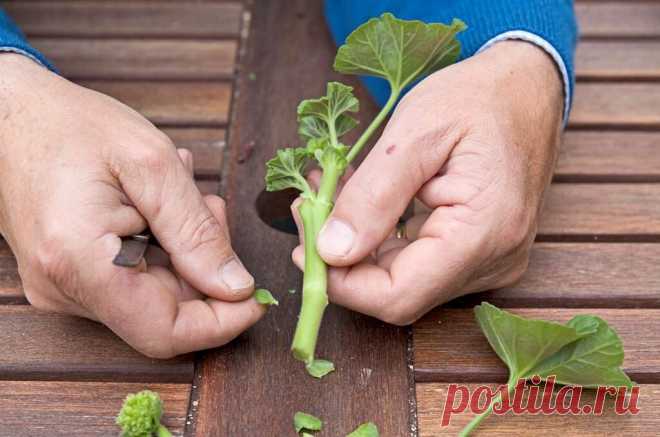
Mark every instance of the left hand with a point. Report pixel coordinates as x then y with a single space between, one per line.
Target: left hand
475 142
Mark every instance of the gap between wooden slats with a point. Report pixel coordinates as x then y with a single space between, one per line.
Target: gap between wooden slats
431 399
33 408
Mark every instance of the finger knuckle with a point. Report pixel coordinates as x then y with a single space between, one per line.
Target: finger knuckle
155 348
202 230
518 230
52 260
399 311
153 157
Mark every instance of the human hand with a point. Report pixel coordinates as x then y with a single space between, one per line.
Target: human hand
77 171
476 143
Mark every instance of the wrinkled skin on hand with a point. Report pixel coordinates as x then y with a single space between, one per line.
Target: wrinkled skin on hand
476 143
77 171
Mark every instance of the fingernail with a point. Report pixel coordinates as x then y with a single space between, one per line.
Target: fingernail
336 237
235 276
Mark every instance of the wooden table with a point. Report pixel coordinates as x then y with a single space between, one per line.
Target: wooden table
202 69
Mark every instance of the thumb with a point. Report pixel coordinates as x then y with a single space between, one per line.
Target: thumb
191 229
375 197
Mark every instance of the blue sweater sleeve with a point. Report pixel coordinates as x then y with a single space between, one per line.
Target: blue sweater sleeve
548 23
13 40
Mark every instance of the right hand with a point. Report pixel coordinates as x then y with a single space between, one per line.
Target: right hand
78 170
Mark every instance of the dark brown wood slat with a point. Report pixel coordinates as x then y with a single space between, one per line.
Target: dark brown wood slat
431 399
11 291
371 381
172 103
601 209
449 346
616 104
206 145
609 155
584 275
139 58
45 346
618 60
631 19
135 18
31 408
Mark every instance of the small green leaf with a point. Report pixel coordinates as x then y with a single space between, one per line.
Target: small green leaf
306 421
265 297
286 169
326 116
400 51
320 368
332 157
365 430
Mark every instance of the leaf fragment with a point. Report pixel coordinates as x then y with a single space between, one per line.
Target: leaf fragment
368 429
305 421
264 297
320 368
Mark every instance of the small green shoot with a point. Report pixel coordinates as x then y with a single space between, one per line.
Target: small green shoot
303 421
264 297
368 429
584 352
399 51
140 415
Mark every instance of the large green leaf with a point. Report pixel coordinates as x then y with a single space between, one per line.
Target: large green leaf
523 343
326 116
400 51
591 361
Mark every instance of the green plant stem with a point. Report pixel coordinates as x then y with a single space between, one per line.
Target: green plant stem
474 423
163 432
359 144
314 212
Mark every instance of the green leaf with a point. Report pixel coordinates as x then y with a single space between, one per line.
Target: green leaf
332 157
320 368
264 297
523 343
286 170
306 421
365 430
591 361
400 51
325 117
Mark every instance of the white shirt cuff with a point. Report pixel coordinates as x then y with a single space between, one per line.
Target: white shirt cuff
549 49
21 52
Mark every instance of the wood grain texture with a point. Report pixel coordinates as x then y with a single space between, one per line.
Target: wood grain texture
32 408
627 19
614 275
206 145
616 104
610 60
257 373
601 209
119 18
172 103
450 347
46 346
11 291
609 156
431 399
139 58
